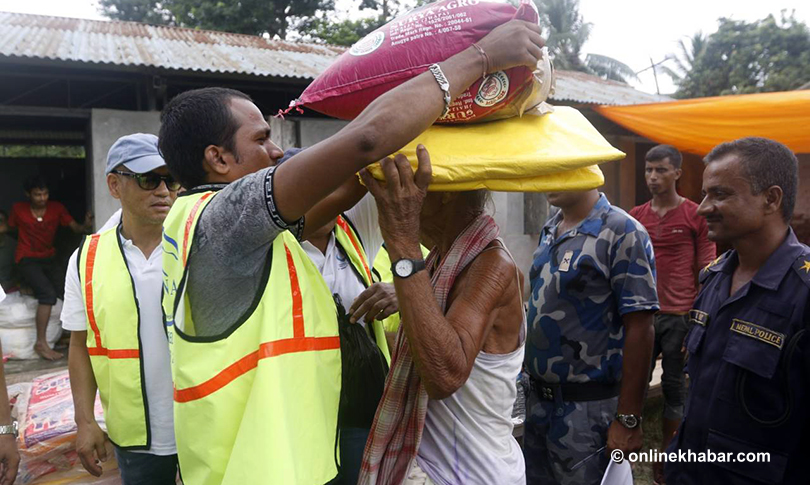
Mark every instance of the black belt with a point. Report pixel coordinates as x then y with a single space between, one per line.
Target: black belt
576 392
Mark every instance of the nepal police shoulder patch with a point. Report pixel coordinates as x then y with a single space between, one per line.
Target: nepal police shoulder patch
802 267
706 271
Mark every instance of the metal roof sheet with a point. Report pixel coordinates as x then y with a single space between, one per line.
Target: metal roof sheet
587 89
137 44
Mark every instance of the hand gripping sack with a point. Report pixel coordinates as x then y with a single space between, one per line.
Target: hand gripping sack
409 44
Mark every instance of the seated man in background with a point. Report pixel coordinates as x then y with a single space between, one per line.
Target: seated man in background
36 222
460 346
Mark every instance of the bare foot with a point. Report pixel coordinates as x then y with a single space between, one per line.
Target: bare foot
46 352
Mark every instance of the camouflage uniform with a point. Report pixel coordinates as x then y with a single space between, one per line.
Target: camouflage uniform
582 283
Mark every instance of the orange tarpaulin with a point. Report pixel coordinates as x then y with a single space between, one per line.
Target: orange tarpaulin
698 125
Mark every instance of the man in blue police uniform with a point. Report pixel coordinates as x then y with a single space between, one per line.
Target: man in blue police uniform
590 339
749 357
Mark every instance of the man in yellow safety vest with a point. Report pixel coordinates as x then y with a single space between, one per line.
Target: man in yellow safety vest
252 325
118 343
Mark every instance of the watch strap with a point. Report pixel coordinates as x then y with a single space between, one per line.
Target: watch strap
417 266
9 429
634 420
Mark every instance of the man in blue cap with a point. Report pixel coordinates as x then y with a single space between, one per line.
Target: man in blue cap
118 343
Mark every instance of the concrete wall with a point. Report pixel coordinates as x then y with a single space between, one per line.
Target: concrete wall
302 132
508 210
313 130
106 126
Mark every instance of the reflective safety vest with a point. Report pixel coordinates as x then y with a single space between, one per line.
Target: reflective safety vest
350 244
259 402
113 339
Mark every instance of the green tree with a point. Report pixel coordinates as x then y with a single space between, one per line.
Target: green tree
328 29
750 57
686 56
254 17
146 11
566 35
345 32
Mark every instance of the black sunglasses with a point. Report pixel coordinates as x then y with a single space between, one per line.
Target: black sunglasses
151 180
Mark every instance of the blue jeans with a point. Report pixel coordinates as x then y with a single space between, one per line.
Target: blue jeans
146 469
352 443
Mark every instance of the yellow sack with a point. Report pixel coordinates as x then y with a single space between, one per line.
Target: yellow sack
578 179
534 153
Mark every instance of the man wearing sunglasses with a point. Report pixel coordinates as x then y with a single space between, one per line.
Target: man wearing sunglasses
118 343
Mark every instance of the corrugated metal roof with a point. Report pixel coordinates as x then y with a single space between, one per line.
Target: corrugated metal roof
136 44
584 88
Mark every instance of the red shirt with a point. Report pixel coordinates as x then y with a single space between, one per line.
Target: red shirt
681 249
35 238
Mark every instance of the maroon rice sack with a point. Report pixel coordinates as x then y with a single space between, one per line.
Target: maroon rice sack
408 45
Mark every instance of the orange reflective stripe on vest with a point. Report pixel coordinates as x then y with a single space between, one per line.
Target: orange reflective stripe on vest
299 343
99 349
190 223
345 226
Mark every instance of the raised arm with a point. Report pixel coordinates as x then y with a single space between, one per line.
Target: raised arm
444 347
396 118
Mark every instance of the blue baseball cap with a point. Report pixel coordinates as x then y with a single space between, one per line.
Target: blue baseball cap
138 152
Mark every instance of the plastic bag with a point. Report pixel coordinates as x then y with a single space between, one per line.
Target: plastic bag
44 409
408 45
536 153
18 326
364 371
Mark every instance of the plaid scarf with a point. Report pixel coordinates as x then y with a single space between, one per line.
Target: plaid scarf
400 418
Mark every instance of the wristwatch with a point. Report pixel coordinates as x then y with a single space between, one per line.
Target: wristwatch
9 429
405 267
629 421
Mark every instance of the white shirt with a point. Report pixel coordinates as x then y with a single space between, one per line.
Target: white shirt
335 269
147 273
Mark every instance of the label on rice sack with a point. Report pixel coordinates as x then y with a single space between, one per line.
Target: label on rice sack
409 44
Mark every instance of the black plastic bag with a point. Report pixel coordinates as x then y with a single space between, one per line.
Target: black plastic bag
364 372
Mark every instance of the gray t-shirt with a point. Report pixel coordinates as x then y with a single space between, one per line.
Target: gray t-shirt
231 247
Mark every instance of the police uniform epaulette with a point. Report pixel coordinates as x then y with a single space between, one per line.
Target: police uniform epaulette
704 273
802 267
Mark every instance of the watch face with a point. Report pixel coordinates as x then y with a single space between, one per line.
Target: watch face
630 421
404 267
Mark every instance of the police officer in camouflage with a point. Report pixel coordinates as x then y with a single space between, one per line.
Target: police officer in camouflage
590 341
749 352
